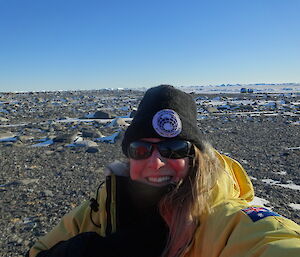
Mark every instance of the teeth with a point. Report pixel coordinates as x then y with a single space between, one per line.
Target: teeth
159 179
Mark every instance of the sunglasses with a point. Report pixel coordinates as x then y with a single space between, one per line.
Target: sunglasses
171 149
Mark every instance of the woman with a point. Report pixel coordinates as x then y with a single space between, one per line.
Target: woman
176 196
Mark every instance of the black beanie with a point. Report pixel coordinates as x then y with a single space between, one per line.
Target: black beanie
164 112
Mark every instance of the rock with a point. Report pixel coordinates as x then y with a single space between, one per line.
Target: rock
2 119
49 152
25 138
284 154
92 150
18 143
66 138
118 123
84 143
26 243
29 181
48 193
60 149
102 115
91 133
99 170
212 109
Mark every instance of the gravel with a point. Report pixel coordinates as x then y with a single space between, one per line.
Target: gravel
38 185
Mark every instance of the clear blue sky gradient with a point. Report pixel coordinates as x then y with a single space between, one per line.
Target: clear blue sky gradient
83 44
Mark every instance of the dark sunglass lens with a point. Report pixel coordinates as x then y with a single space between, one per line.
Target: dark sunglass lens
139 150
175 149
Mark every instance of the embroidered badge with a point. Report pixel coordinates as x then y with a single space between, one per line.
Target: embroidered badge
258 213
167 123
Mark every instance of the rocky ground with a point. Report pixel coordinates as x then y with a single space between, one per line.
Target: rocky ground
38 185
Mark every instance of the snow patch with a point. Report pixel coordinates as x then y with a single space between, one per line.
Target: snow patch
293 148
295 206
281 173
109 139
291 185
8 139
43 144
259 201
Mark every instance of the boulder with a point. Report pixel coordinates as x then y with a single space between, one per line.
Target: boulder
66 138
2 119
92 150
118 123
102 115
212 109
85 143
91 133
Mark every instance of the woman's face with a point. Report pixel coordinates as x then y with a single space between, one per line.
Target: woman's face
157 170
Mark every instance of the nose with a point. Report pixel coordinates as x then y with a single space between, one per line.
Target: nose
155 161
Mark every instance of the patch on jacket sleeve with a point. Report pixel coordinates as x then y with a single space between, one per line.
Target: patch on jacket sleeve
258 213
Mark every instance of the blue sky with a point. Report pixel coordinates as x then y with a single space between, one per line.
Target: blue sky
83 44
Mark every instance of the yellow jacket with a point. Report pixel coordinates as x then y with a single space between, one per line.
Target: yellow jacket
233 229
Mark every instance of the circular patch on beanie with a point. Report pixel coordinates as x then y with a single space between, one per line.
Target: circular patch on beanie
167 123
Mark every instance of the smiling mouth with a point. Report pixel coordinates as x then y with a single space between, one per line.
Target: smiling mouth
158 180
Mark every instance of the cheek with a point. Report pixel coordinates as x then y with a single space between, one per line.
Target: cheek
136 168
180 167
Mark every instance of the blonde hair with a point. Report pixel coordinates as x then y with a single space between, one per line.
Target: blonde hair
182 208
